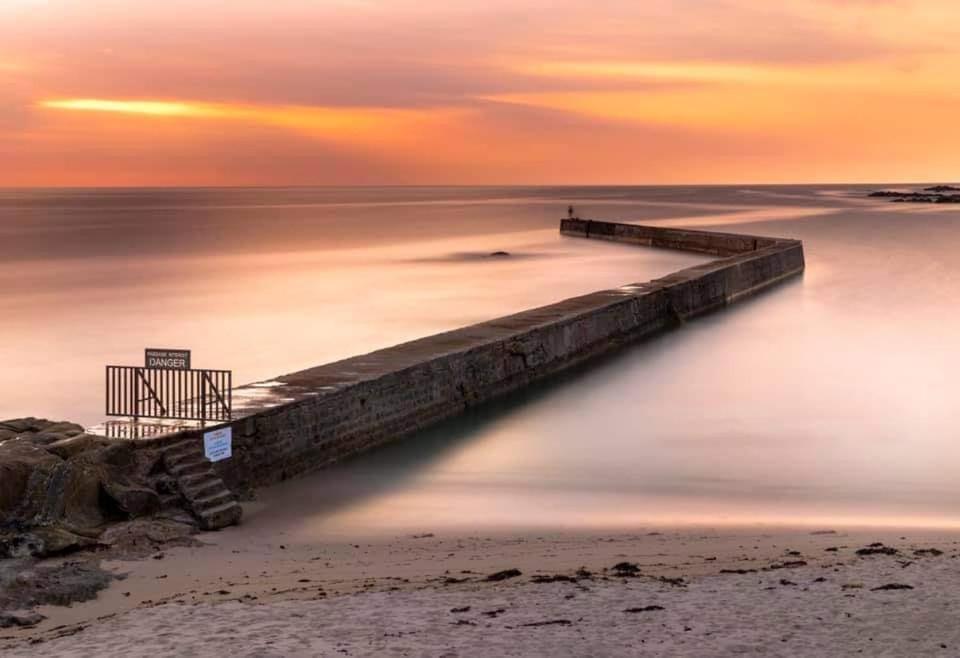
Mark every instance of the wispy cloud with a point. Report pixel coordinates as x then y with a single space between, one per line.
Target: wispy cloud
430 91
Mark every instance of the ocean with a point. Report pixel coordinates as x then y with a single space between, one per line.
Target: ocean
828 400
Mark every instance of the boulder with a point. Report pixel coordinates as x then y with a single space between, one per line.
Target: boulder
20 425
72 446
56 498
21 619
148 534
43 541
24 468
130 497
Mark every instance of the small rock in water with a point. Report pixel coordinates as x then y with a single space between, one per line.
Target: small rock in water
551 622
504 575
559 578
626 569
891 586
933 552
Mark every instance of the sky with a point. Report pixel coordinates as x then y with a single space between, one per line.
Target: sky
368 92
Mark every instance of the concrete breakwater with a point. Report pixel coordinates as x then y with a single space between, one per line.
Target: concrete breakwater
305 420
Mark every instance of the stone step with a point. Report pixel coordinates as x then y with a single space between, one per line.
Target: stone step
220 516
203 488
206 496
169 500
176 455
211 501
189 468
184 445
193 480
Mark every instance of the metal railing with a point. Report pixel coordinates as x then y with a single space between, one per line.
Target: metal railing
168 393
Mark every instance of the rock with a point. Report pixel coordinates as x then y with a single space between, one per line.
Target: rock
148 533
43 541
23 468
648 608
789 564
20 619
540 579
626 569
38 430
503 575
70 447
929 195
551 622
931 552
24 585
134 499
499 254
52 495
891 586
20 425
57 541
877 549
144 536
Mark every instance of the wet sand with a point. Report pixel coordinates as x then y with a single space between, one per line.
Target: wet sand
724 591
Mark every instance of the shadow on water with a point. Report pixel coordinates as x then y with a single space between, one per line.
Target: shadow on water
391 467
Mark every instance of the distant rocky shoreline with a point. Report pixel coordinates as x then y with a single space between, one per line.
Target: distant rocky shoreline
934 194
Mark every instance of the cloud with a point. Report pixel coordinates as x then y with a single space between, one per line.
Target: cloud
430 91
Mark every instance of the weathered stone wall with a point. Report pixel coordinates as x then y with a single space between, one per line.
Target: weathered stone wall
302 421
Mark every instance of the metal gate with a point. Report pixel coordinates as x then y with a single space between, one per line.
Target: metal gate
169 393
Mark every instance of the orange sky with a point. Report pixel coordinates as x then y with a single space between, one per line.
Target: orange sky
209 92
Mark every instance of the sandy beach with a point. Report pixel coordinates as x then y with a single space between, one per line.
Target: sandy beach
686 591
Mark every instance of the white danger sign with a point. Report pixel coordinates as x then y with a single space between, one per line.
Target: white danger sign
218 444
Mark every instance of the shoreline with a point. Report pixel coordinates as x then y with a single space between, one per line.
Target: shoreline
281 578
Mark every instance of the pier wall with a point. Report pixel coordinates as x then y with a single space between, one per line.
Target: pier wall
305 420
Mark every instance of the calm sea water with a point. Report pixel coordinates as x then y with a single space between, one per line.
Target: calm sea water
828 400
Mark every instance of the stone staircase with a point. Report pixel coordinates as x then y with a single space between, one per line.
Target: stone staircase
206 495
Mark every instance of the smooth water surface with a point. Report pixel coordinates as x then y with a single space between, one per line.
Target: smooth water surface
828 400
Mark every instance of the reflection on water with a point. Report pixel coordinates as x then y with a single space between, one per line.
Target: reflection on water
828 400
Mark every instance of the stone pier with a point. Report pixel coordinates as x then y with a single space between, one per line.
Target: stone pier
303 421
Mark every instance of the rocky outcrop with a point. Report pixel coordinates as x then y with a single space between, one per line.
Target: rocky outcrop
38 430
59 487
936 194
